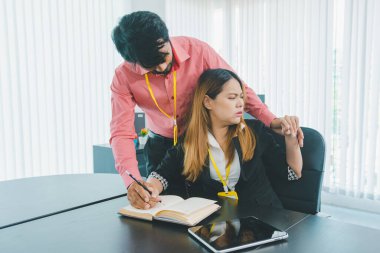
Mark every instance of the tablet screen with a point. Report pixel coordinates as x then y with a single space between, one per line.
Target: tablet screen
236 234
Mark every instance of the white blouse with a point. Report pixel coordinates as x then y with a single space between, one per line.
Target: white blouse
219 158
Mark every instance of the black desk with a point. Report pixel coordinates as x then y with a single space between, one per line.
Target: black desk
323 235
98 228
25 199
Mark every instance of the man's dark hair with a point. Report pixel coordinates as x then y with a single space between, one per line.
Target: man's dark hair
139 36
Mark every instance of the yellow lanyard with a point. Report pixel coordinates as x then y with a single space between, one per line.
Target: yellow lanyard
174 117
224 181
226 193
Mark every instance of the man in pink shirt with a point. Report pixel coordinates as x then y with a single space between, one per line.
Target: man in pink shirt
159 75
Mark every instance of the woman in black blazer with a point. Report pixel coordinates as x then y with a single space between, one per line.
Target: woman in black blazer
221 153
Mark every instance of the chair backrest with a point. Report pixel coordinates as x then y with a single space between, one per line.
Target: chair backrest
303 195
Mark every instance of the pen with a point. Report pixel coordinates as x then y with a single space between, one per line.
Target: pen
138 182
143 186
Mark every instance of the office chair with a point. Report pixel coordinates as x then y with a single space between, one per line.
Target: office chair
303 195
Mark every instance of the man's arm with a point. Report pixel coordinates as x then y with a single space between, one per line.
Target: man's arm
123 129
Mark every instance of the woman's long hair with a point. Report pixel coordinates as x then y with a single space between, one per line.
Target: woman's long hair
195 145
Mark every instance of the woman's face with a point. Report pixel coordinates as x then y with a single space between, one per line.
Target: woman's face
228 106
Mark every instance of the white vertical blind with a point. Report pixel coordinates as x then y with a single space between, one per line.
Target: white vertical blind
357 136
283 49
56 64
280 48
205 20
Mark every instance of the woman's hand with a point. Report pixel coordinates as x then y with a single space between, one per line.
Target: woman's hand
140 198
290 129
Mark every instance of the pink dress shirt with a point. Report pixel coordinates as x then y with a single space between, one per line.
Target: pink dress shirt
129 88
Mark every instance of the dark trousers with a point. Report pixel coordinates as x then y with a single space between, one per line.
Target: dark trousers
155 150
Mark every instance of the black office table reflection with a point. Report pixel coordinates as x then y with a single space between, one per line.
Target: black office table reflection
322 235
26 199
83 218
98 228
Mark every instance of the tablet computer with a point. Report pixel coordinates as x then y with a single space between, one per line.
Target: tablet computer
236 234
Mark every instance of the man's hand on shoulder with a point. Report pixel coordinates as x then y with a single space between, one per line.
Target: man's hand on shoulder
287 125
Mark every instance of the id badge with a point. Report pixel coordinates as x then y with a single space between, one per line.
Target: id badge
229 194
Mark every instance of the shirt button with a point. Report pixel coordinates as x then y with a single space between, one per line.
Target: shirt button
172 97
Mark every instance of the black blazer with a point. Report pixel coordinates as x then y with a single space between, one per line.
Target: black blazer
253 187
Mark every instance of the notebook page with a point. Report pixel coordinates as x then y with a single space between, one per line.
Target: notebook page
167 200
190 205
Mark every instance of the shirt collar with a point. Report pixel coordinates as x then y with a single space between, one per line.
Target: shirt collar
212 141
179 54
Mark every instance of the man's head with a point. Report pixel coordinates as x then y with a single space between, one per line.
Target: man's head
142 38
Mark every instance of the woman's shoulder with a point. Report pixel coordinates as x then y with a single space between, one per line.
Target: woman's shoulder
177 150
263 134
174 154
256 125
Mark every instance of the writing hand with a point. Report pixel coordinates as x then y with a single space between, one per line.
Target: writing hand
140 198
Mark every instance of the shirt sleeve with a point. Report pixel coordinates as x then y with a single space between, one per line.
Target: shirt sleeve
292 175
253 105
123 129
274 157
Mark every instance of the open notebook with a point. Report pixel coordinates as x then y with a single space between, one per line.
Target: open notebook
175 209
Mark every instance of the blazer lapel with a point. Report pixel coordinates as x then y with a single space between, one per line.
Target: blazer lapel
243 172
